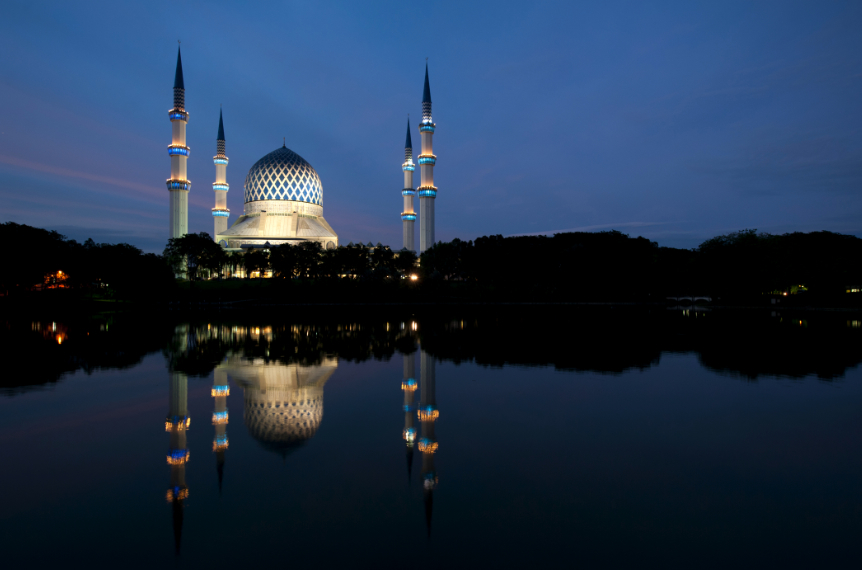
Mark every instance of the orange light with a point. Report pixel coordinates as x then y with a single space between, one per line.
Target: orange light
413 278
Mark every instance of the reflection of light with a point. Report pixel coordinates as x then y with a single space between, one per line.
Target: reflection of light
220 417
220 391
409 385
427 445
178 456
177 493
177 422
428 414
409 435
413 325
220 443
60 338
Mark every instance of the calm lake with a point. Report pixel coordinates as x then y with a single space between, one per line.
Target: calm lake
447 437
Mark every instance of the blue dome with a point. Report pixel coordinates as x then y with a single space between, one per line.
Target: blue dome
283 175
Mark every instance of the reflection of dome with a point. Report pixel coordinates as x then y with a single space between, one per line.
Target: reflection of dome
280 423
283 403
283 175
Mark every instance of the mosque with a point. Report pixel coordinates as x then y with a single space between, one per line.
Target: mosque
283 194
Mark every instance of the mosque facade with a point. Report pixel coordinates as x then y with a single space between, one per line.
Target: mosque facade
283 194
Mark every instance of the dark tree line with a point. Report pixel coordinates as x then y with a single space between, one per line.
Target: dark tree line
613 266
38 258
604 266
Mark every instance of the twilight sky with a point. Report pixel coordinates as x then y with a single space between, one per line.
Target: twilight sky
676 121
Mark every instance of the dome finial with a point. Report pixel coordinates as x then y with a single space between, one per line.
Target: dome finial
283 142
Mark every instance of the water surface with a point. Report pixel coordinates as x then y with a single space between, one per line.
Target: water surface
501 437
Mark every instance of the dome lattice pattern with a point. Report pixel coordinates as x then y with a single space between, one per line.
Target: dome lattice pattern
285 422
283 175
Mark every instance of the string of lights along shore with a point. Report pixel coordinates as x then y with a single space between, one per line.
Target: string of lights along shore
283 193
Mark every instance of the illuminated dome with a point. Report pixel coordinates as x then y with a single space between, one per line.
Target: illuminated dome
283 175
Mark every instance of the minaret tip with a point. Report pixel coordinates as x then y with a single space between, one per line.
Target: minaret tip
178 76
220 126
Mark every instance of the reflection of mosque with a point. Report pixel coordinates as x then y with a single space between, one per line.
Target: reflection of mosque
283 404
427 415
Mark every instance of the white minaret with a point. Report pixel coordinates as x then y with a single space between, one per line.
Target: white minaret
408 216
178 183
220 186
427 160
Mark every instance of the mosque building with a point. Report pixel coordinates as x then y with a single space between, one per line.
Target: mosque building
283 194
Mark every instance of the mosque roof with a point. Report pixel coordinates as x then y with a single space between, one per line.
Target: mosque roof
283 175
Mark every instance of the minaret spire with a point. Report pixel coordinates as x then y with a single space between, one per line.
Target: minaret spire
408 216
178 183
427 191
220 186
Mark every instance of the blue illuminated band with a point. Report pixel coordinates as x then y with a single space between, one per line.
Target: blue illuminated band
220 417
178 149
177 115
223 214
427 192
408 217
408 167
178 184
427 127
221 186
408 192
220 391
427 159
220 159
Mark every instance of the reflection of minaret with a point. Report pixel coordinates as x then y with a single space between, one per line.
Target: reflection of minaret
220 392
408 384
428 443
176 424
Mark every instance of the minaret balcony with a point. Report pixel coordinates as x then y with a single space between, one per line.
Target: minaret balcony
220 417
428 414
410 384
408 192
409 435
223 186
408 166
220 159
408 217
218 391
178 149
427 191
177 494
427 445
220 213
178 457
427 159
178 115
427 127
179 423
220 443
178 184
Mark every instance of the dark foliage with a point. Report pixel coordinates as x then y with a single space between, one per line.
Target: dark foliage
42 258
